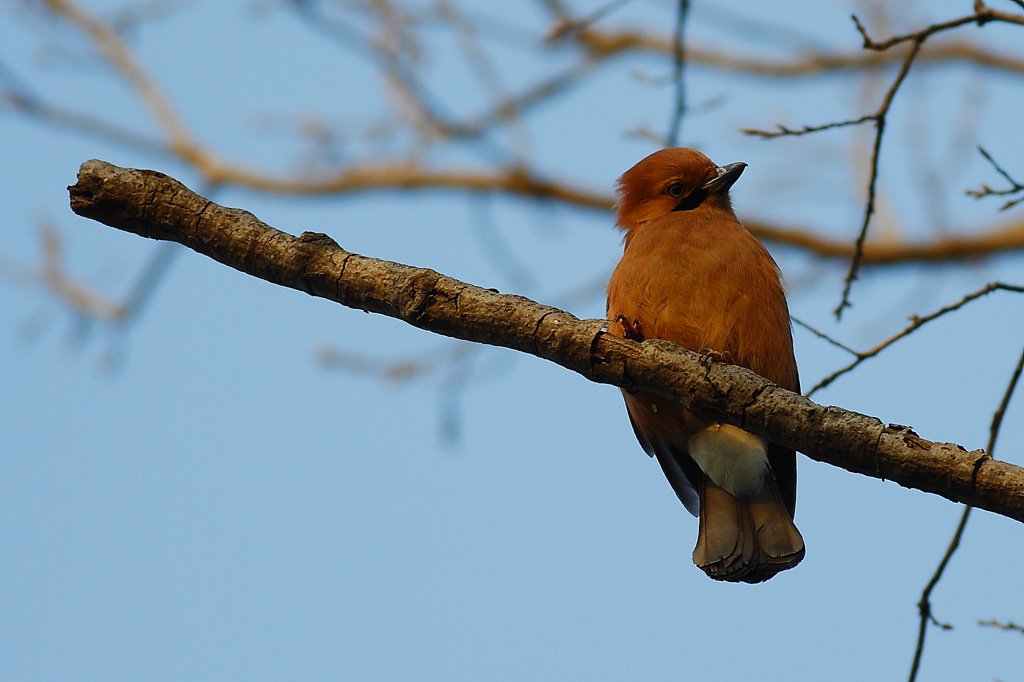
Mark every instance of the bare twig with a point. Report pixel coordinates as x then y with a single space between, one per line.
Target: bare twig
826 337
982 15
783 131
565 26
1009 625
915 324
985 190
924 605
917 39
879 119
869 209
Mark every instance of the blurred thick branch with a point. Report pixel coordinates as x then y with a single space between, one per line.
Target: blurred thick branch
807 64
156 206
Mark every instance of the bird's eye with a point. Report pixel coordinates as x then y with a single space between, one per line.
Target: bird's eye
675 190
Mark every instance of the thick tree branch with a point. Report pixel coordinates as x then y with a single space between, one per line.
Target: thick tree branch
153 205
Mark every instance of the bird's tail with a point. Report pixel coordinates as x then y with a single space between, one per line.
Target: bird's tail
745 540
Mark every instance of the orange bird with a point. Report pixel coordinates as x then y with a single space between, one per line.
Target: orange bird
693 275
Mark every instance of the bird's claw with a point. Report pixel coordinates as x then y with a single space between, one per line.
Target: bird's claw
630 328
709 355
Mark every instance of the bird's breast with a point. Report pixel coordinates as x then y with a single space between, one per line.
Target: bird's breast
713 287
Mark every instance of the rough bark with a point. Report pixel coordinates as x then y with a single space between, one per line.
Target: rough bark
156 206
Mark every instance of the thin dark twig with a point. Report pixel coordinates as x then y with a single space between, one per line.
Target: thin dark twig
823 335
924 605
982 15
784 131
880 118
915 323
917 38
995 165
985 190
997 418
679 63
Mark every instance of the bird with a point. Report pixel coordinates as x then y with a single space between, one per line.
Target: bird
691 274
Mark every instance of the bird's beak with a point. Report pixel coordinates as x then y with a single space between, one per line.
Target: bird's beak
724 177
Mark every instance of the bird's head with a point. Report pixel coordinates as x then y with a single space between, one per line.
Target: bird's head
676 179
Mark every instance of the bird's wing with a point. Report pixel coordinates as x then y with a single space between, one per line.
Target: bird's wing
675 463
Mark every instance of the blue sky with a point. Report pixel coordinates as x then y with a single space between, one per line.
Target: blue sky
196 497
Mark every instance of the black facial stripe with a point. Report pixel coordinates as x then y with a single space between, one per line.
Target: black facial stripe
692 200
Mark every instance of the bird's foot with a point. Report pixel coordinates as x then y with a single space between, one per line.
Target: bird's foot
630 328
709 355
